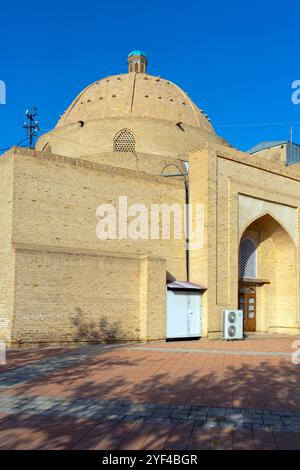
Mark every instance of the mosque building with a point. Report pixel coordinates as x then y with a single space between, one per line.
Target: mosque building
139 140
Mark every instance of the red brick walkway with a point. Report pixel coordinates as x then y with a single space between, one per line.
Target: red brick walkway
170 374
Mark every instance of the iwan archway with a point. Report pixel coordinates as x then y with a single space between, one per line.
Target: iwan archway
267 277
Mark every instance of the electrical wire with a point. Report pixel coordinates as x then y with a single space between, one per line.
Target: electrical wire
265 124
22 141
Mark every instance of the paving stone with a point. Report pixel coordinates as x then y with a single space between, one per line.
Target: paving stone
209 425
276 427
292 419
225 424
222 411
198 408
198 414
161 416
164 414
179 419
112 410
112 417
213 412
183 408
262 427
199 422
272 419
254 420
247 426
191 420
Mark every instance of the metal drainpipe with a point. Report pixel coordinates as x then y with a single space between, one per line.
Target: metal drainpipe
187 222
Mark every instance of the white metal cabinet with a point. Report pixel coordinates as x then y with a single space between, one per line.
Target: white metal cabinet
183 314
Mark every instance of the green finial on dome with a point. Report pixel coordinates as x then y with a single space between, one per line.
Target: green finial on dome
137 52
137 61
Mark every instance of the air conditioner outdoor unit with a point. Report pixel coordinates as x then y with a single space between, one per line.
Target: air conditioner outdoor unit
232 324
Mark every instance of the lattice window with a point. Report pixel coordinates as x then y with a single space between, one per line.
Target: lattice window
248 262
124 141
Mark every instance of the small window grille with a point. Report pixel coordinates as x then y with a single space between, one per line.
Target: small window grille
248 264
124 141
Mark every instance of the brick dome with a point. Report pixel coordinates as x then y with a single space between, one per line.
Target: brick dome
135 95
132 112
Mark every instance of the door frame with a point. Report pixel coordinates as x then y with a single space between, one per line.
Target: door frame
249 325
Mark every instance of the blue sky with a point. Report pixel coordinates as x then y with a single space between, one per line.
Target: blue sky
235 59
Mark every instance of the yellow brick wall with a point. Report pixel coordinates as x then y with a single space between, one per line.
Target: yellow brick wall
200 194
65 297
68 285
141 162
276 154
56 200
155 300
6 253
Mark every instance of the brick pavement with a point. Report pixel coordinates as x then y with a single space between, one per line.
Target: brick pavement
181 395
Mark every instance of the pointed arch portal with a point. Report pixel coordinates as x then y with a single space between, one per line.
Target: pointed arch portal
267 276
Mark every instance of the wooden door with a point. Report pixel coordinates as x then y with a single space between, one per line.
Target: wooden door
247 303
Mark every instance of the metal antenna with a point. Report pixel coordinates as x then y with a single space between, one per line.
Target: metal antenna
31 125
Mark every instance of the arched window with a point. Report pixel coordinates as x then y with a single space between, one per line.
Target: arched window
124 141
248 262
